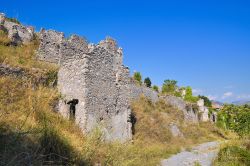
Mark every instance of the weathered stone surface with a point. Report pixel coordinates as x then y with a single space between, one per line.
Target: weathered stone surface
189 110
17 33
50 44
94 75
203 111
213 117
94 78
136 91
6 70
175 131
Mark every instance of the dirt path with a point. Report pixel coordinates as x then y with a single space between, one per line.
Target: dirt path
203 155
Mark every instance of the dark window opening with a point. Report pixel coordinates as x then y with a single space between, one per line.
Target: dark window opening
72 108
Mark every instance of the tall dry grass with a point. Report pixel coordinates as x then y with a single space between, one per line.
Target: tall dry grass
23 56
32 133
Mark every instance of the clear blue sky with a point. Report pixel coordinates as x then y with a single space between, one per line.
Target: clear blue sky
204 44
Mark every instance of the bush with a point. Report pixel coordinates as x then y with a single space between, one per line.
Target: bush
235 118
138 77
207 102
147 82
189 95
155 88
169 87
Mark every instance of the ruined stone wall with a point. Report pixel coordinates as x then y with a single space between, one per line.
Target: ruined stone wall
105 104
136 91
18 34
95 76
189 110
72 76
50 46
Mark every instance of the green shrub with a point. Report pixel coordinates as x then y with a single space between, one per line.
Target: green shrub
235 118
155 88
147 82
189 95
169 87
138 77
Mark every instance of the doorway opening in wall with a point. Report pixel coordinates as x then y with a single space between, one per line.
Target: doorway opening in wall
72 108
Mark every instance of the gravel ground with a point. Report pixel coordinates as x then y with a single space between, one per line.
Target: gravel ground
203 154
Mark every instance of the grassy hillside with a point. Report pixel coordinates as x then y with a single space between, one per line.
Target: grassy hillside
234 153
32 133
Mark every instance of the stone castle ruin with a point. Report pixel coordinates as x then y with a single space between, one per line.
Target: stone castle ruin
95 86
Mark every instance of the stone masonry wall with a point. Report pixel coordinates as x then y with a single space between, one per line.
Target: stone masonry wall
50 45
94 75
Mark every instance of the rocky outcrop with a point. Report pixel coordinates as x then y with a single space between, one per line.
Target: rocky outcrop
18 34
175 131
203 111
137 90
190 111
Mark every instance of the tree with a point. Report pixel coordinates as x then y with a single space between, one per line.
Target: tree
169 86
189 95
207 102
147 82
156 88
137 77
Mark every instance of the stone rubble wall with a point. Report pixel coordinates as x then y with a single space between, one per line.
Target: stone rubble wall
50 45
94 75
17 33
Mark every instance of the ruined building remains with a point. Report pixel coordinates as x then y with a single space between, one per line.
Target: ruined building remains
17 33
95 85
96 88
